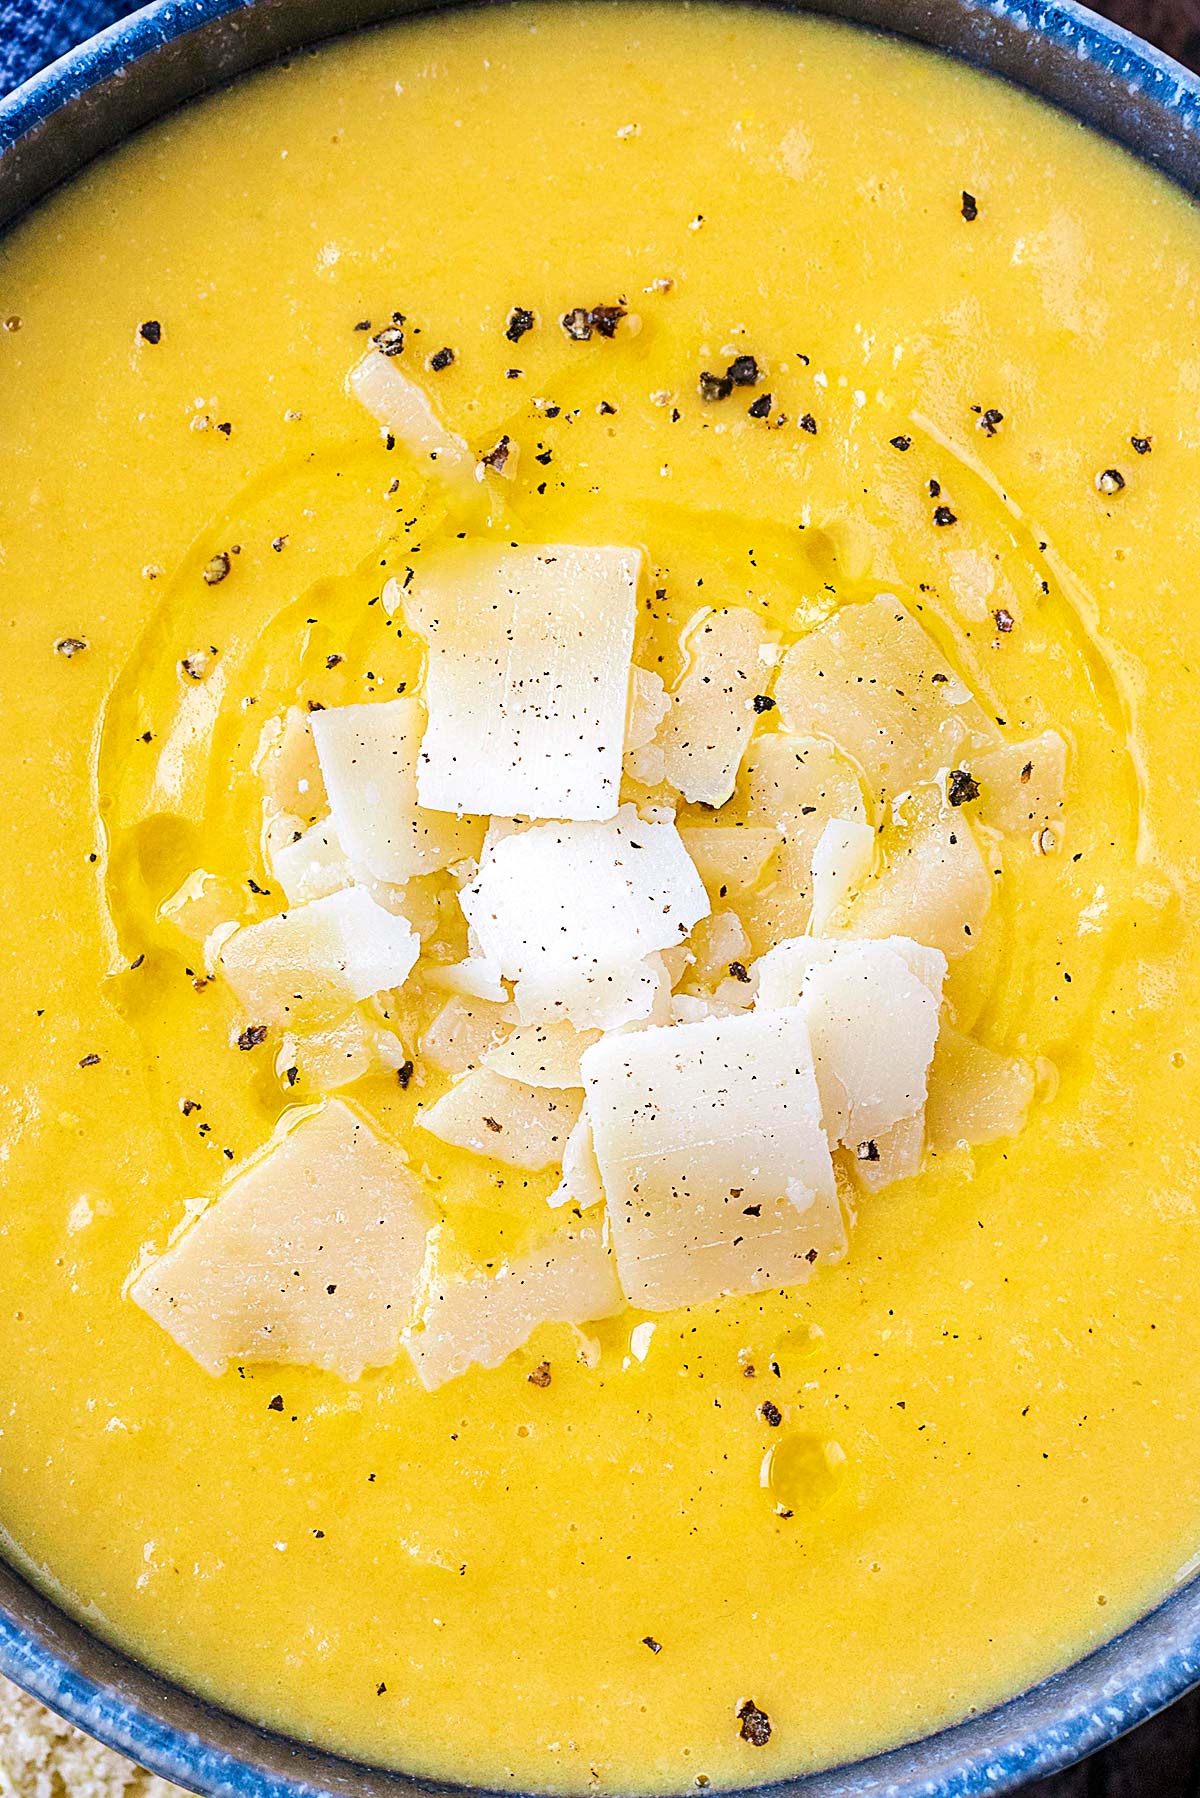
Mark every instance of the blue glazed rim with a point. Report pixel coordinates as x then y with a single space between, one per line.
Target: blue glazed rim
1059 51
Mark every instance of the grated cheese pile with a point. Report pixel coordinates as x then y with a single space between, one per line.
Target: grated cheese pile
708 1109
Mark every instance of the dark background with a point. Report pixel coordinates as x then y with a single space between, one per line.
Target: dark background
1162 1759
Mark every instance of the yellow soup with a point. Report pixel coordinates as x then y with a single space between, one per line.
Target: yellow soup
989 1451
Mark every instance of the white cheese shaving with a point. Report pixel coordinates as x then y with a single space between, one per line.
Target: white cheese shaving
327 1059
712 709
203 904
842 861
648 706
729 856
368 756
463 1032
873 682
795 786
571 911
312 1254
479 1318
895 1154
287 768
546 1054
873 1026
526 1126
581 1184
934 885
312 865
1021 785
975 1093
321 956
475 978
527 682
714 1162
404 410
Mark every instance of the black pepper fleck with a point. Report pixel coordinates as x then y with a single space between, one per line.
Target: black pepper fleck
970 207
252 1037
756 1725
520 320
715 387
961 786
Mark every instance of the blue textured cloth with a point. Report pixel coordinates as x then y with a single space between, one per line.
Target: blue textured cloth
34 32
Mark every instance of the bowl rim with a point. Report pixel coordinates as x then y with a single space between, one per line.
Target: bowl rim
1037 1732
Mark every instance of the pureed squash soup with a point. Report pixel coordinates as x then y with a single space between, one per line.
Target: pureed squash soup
701 329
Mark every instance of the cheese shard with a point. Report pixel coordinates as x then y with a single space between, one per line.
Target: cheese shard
729 856
312 1254
312 865
934 885
287 767
874 1026
712 709
841 863
324 1060
581 1184
478 1318
526 1126
368 756
570 912
875 683
891 1155
795 786
403 409
546 1054
1021 784
715 1166
527 680
975 1093
462 1033
320 957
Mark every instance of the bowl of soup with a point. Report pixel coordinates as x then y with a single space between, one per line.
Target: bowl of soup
599 1047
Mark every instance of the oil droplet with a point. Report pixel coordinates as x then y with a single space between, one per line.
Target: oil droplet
802 1472
796 1344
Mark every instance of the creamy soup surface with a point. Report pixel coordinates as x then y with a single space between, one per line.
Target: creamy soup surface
954 1459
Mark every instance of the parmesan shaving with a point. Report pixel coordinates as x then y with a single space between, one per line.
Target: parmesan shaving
872 681
975 1093
712 708
795 786
527 682
841 863
729 857
1021 784
312 1254
713 1159
462 1034
312 865
404 410
581 1184
478 1319
368 756
934 886
321 956
526 1126
570 912
546 1054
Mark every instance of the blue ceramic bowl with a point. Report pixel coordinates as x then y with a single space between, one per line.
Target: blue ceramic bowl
83 105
